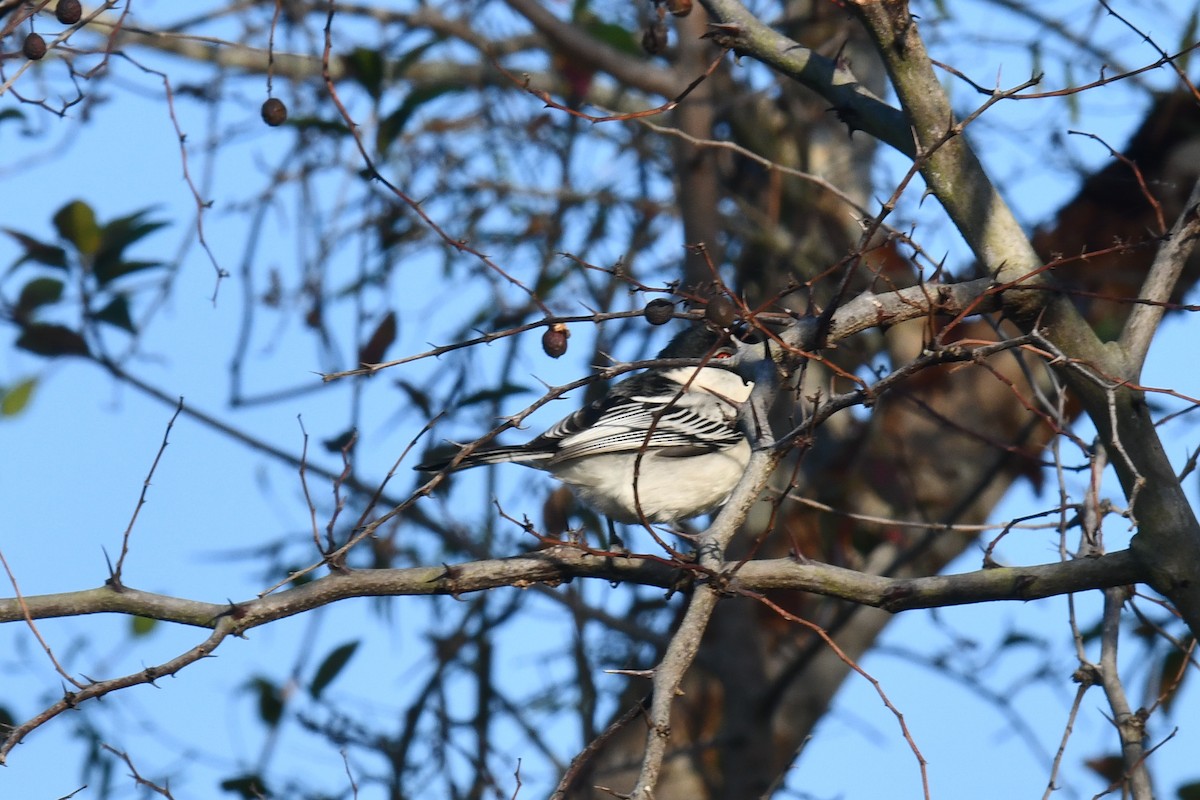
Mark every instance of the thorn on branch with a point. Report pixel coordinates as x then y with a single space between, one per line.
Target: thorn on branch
724 34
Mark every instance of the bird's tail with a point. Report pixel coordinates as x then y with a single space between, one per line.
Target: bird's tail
510 454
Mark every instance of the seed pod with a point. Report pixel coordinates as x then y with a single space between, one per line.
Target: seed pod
659 311
68 12
655 38
274 112
34 47
554 340
721 311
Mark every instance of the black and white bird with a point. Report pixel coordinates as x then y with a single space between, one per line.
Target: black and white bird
665 442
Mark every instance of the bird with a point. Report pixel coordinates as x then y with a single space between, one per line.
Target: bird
661 446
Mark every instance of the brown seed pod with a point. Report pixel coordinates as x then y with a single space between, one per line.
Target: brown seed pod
655 38
554 340
68 12
659 311
721 311
274 112
680 8
34 47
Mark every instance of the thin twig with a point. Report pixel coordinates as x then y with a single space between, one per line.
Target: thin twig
116 575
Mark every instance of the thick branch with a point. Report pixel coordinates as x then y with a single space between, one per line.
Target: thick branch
564 563
853 102
1131 727
590 52
1144 318
1169 534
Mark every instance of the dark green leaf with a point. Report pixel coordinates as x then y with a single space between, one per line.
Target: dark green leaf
142 626
11 113
52 340
381 339
1189 38
548 281
251 787
301 576
496 393
365 66
76 222
115 238
14 400
37 293
1189 791
393 124
417 395
340 442
615 36
404 62
39 252
106 271
7 721
331 667
116 313
1170 677
319 125
270 700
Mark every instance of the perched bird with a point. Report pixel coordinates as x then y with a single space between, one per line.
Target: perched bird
665 441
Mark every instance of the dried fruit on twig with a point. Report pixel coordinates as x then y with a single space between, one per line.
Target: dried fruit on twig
659 311
721 311
654 38
34 47
274 112
68 12
554 340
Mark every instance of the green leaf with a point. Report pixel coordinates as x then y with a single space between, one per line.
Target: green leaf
406 61
365 66
116 313
333 664
393 124
250 787
39 252
115 238
381 339
319 125
7 721
11 113
52 340
301 576
1189 791
488 395
37 293
615 36
108 271
337 444
142 626
1174 665
1188 37
14 400
270 700
76 222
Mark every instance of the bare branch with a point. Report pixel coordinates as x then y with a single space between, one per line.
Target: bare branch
1131 727
854 104
1160 283
563 563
